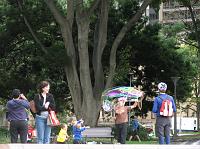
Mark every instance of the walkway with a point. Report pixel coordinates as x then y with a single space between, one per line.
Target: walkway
94 146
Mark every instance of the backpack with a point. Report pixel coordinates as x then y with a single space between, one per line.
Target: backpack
32 105
166 107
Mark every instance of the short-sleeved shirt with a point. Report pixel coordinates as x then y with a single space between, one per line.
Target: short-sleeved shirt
122 114
62 135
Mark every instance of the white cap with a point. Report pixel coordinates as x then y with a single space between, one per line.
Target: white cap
162 86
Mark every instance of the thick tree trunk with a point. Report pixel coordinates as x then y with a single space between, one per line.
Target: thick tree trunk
100 39
86 99
90 112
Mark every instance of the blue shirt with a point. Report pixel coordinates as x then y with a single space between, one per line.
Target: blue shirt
77 132
158 102
135 124
17 109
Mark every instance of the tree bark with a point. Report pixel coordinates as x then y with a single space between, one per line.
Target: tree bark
86 98
100 39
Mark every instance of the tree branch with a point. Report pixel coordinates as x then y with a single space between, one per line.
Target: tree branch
93 7
119 38
30 28
57 15
189 43
70 12
100 38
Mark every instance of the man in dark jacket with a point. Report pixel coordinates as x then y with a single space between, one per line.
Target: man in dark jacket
17 116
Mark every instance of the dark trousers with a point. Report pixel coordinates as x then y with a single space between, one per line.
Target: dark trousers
163 125
78 142
19 127
121 132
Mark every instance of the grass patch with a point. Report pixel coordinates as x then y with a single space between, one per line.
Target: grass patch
4 140
190 132
142 142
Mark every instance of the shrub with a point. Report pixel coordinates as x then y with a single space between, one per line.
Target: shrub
4 135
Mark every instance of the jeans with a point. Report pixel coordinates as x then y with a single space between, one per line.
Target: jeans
19 127
43 130
163 125
121 132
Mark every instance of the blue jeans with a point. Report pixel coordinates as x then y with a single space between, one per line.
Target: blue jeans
43 130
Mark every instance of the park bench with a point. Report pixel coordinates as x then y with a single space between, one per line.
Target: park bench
98 132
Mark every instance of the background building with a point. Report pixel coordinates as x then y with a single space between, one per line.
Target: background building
171 12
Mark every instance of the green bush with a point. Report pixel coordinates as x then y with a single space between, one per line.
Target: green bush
4 136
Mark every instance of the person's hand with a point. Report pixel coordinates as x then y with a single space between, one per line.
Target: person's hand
22 96
67 138
87 126
134 105
81 121
46 105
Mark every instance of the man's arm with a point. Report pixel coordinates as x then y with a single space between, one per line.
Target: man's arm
134 105
173 105
155 105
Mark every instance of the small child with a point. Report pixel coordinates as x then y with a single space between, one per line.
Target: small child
135 129
62 136
77 132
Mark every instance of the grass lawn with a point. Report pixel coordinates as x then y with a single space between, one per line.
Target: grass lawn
190 132
4 140
142 142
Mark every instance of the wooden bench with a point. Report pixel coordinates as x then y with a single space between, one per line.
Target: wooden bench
98 132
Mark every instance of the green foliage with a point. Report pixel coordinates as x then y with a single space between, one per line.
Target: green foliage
23 65
4 136
151 52
157 50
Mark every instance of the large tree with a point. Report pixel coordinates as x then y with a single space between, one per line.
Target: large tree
86 95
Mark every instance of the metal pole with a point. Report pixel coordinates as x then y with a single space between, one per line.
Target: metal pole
129 113
175 80
180 122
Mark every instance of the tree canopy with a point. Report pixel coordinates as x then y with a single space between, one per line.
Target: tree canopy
77 45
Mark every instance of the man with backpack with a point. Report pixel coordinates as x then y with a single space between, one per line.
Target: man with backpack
163 107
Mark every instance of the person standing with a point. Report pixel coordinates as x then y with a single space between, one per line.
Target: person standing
163 116
43 101
18 116
121 119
